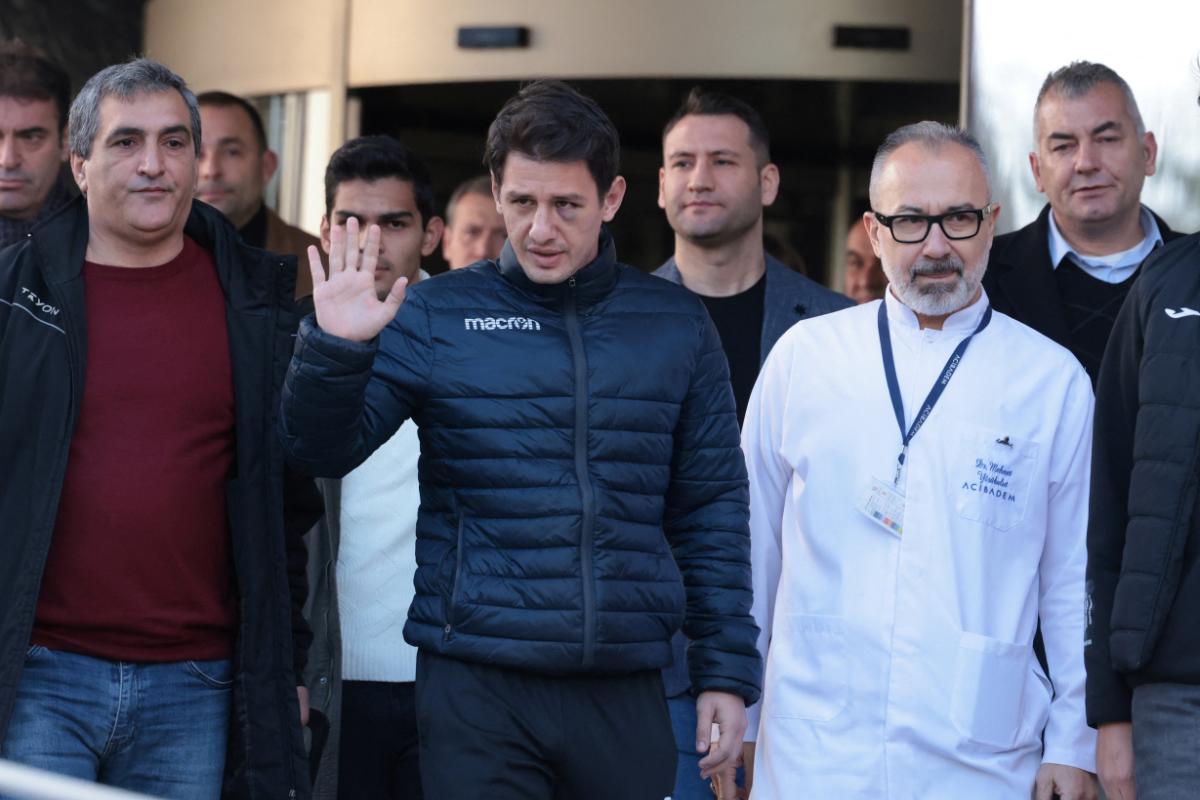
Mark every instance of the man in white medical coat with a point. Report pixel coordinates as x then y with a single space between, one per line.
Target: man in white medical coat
919 487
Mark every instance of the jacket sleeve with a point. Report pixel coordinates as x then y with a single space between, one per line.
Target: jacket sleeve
706 521
343 399
1108 696
769 475
1067 738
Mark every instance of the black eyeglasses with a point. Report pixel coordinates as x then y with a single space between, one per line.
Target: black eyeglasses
914 228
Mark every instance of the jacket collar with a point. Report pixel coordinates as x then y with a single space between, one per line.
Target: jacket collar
785 299
592 282
1025 277
60 245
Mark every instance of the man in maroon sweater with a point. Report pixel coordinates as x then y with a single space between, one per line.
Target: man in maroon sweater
142 478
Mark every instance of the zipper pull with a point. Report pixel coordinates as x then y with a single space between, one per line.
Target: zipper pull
571 281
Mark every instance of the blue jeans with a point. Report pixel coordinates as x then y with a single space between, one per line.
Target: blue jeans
688 784
159 729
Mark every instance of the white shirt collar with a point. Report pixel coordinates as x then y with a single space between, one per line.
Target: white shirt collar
964 320
1115 268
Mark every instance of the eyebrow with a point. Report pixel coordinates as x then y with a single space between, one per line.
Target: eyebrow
230 140
390 216
1110 125
32 129
721 151
132 131
917 210
570 198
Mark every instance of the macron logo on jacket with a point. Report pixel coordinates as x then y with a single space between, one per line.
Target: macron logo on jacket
501 324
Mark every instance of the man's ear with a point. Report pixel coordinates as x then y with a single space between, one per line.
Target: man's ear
496 195
79 172
65 145
432 235
270 163
768 178
875 229
325 234
1035 167
611 202
1150 149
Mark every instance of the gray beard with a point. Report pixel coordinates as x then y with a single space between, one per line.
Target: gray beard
938 300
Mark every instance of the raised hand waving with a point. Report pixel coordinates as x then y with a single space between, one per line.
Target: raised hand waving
346 302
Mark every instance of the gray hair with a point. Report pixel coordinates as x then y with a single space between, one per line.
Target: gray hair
123 81
934 135
1077 79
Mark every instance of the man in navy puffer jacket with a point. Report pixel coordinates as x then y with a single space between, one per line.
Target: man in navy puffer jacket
579 454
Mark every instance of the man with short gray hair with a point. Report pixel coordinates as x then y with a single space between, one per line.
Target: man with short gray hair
918 500
1067 273
145 625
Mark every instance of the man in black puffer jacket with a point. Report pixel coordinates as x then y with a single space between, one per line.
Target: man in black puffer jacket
579 451
1142 652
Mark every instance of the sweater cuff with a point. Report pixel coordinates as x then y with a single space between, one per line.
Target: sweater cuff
1115 705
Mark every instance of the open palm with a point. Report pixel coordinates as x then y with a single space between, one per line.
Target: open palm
346 302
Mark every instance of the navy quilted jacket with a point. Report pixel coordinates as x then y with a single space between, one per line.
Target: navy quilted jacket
578 442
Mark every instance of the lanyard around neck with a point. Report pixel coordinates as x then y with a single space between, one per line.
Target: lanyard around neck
889 370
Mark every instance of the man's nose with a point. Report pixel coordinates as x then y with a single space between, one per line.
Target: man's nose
700 177
936 245
152 161
1087 157
210 165
10 156
542 228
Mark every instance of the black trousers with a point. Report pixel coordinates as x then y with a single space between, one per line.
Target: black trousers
377 754
504 734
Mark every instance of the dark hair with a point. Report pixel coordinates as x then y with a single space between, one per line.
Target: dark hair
373 158
27 74
703 103
549 121
481 185
124 81
219 99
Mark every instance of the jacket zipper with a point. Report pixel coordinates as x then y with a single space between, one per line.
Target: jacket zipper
458 561
586 491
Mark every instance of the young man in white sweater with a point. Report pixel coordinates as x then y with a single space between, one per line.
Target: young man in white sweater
362 559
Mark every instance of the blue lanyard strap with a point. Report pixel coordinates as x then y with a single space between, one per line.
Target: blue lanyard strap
889 370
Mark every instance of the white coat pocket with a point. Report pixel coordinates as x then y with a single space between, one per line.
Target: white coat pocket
991 477
989 687
808 673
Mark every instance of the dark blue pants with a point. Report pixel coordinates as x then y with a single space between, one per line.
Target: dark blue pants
506 734
377 755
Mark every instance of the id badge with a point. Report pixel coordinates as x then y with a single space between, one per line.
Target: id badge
883 504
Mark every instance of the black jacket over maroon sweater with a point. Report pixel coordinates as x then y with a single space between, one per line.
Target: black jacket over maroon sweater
43 356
